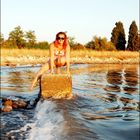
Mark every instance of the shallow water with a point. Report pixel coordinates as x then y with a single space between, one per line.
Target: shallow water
105 107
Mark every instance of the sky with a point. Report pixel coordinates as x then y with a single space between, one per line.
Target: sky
81 19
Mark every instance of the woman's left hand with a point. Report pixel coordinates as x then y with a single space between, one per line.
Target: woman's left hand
68 72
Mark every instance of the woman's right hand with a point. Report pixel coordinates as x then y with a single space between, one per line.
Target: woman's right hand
52 71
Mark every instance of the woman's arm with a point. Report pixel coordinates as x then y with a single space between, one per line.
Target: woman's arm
51 57
68 58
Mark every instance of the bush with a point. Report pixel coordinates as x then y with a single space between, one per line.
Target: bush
78 46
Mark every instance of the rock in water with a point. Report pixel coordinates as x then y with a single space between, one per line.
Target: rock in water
56 86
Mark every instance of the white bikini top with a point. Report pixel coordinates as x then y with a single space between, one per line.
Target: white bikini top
61 53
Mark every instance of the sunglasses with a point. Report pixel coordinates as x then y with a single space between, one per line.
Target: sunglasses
60 38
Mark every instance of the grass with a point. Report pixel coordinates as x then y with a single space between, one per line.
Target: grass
74 53
105 54
24 52
38 56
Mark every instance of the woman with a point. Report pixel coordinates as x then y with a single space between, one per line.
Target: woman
59 56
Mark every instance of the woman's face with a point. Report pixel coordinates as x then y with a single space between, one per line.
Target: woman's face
60 38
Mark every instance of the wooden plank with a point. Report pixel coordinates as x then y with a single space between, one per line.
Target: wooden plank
56 86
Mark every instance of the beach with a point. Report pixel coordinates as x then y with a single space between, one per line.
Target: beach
17 57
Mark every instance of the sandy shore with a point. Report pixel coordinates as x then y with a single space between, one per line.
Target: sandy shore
32 60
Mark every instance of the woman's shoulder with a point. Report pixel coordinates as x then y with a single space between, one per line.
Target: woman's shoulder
51 45
68 46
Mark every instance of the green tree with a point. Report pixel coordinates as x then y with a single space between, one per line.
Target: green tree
30 38
1 38
118 36
78 46
41 45
139 41
133 38
71 41
99 43
75 45
90 45
17 37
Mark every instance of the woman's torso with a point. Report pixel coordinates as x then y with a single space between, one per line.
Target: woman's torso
59 51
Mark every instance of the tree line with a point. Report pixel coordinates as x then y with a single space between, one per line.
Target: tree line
20 39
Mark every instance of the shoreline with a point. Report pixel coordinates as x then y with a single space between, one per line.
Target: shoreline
17 57
30 60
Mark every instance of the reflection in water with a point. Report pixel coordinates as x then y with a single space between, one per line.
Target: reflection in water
131 80
122 83
15 78
122 79
114 78
16 81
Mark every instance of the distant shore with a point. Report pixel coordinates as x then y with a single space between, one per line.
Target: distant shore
16 57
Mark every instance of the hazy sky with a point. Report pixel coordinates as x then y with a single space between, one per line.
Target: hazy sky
82 19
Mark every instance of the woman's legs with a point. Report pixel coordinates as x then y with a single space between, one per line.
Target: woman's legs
42 70
58 62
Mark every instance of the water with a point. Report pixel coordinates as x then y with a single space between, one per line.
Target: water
105 107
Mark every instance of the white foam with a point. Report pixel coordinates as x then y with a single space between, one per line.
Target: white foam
48 122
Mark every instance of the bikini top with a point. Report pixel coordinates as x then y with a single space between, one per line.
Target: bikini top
60 53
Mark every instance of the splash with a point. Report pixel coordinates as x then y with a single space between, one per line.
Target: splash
48 122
